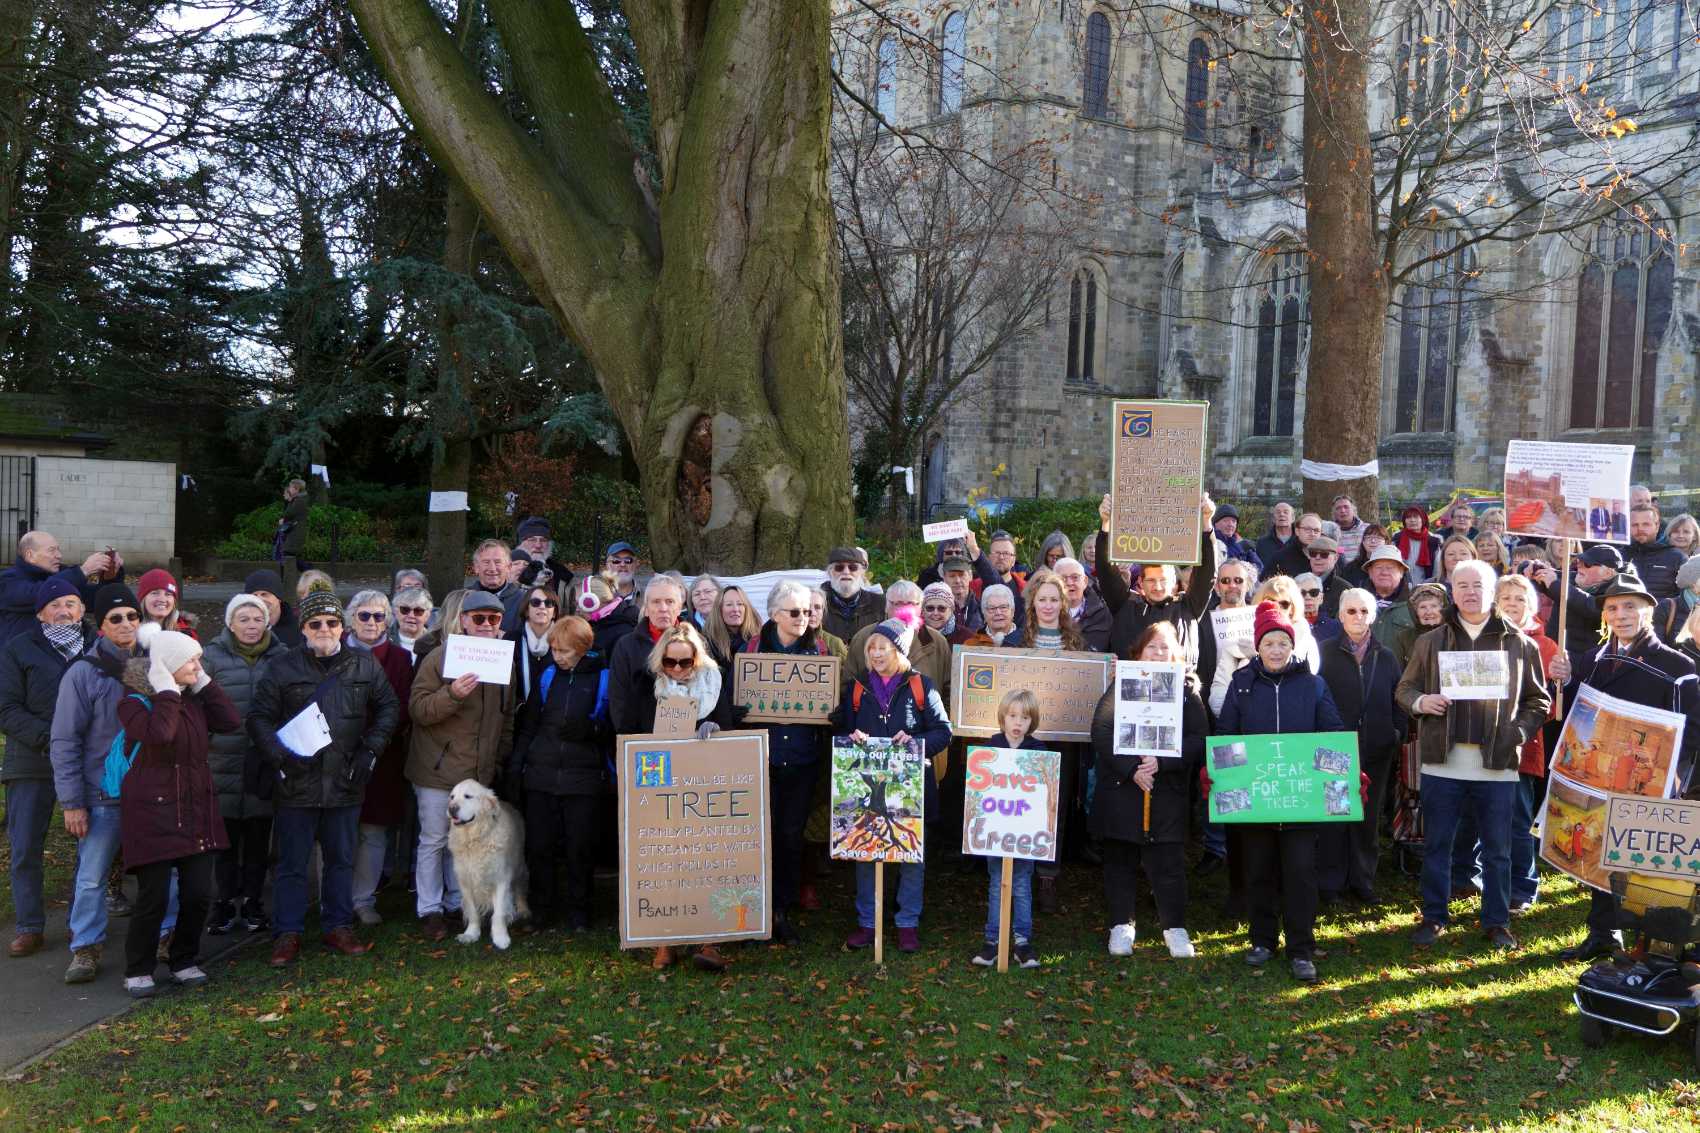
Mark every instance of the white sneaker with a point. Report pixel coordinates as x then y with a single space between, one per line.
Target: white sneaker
190 976
367 915
1180 945
139 987
1121 940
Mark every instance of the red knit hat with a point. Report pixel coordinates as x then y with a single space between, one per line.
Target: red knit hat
1269 618
156 579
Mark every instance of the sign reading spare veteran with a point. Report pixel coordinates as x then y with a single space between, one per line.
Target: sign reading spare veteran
785 688
1068 685
1653 836
693 839
1156 473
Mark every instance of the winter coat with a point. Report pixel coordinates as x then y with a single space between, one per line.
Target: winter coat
294 530
607 631
1333 587
927 722
1263 703
1240 549
1326 628
1269 548
562 746
238 767
168 806
788 745
85 720
1533 760
360 708
1390 619
30 672
1656 563
17 594
1585 625
457 739
1363 693
1507 724
1655 676
631 686
1669 616
869 609
1118 803
528 666
929 655
1011 640
385 802
1095 622
288 627
1134 615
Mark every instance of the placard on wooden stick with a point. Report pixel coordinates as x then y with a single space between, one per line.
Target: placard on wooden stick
1156 477
785 688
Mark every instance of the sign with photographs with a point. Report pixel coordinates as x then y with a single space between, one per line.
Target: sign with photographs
785 688
1474 674
1652 836
879 800
1011 803
1292 777
1068 685
1554 489
1156 476
1149 697
693 839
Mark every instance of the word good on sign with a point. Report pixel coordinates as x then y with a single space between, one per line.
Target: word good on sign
1010 806
694 858
1068 686
1156 474
785 688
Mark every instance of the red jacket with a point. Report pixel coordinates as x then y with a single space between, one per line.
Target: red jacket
1534 758
168 807
387 791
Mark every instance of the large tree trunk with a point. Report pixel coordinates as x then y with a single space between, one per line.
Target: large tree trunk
17 20
1348 285
721 357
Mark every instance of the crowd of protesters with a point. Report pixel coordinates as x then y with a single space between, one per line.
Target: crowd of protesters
160 740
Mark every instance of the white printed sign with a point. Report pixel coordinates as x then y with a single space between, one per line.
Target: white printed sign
1148 707
307 732
1467 674
492 659
944 529
1554 489
448 501
1232 627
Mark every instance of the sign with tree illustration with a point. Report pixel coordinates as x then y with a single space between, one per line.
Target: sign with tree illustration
1010 803
785 688
1287 777
694 856
878 800
1652 836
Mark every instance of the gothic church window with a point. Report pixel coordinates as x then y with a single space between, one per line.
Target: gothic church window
1088 310
1279 307
952 59
1095 95
885 78
1433 317
1197 91
1623 308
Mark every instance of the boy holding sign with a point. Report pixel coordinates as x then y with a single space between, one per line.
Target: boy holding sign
1011 816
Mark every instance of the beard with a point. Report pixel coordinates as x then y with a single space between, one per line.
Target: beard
846 588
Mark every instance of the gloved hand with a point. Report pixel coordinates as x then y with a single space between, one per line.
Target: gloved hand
360 767
1363 789
706 729
160 677
202 681
1204 781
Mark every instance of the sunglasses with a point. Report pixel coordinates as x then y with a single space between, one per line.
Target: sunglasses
413 611
482 619
119 618
802 613
1231 580
1311 593
322 624
678 663
539 603
370 616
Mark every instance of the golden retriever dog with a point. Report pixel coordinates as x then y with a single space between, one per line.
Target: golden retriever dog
487 839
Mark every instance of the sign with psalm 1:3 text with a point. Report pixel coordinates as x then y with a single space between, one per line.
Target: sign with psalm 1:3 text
1652 836
1156 478
1290 777
1010 806
785 688
694 852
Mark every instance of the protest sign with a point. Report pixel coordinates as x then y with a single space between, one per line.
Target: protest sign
676 717
307 732
878 800
1292 777
1010 807
491 658
1156 475
1233 627
1653 836
1613 746
693 839
1068 685
944 529
1573 831
1568 491
1148 707
1474 674
785 688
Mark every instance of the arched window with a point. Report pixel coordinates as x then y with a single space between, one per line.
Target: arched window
1197 90
1623 308
1088 305
1279 307
1433 314
1433 59
1095 97
885 78
952 58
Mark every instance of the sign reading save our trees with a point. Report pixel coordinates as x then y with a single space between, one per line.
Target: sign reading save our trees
1293 777
1156 475
1010 806
785 688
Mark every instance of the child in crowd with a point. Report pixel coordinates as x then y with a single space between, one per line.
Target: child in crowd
1018 716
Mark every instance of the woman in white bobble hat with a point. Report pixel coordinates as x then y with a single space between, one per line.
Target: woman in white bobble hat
169 815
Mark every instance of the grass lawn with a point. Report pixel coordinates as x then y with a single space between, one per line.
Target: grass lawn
568 1032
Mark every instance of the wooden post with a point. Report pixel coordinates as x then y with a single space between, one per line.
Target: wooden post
1563 614
879 912
1006 893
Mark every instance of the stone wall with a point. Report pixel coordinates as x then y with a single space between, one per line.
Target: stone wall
92 504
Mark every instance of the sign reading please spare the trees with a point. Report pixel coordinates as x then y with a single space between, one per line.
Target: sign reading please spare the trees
785 688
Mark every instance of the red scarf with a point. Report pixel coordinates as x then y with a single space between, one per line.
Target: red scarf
654 634
1406 537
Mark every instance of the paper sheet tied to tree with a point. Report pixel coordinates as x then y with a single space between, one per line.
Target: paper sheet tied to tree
878 800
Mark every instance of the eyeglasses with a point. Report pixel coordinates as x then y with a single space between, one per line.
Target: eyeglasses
321 625
482 619
798 613
1311 593
1311 530
369 616
119 617
622 561
678 662
413 611
539 603
1231 580
845 568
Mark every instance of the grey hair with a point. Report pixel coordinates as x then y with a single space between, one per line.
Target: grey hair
1068 563
414 596
789 586
369 598
407 572
1483 571
1307 576
900 592
1363 596
998 591
663 580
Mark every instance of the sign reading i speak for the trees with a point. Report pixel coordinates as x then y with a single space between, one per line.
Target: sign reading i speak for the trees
1292 777
1010 806
1156 476
785 688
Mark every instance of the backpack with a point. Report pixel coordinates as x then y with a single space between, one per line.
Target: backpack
915 691
118 760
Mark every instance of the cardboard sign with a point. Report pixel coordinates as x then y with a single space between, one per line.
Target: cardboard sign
676 717
1156 476
1011 803
1149 695
879 800
1573 831
1654 836
1068 685
785 688
1292 777
694 857
1474 674
492 658
1568 491
944 529
1611 746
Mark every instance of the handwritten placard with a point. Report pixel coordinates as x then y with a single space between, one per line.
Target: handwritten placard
1656 836
694 858
1290 777
1011 803
1156 477
785 688
676 717
490 658
1068 685
878 800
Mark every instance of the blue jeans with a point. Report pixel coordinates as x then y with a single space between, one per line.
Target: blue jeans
1466 855
1216 839
29 813
336 829
909 881
1020 900
95 851
1525 847
1445 802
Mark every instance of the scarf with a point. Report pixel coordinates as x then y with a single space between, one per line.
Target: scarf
1360 649
535 645
654 634
251 653
885 688
1407 537
67 640
845 608
948 627
703 687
